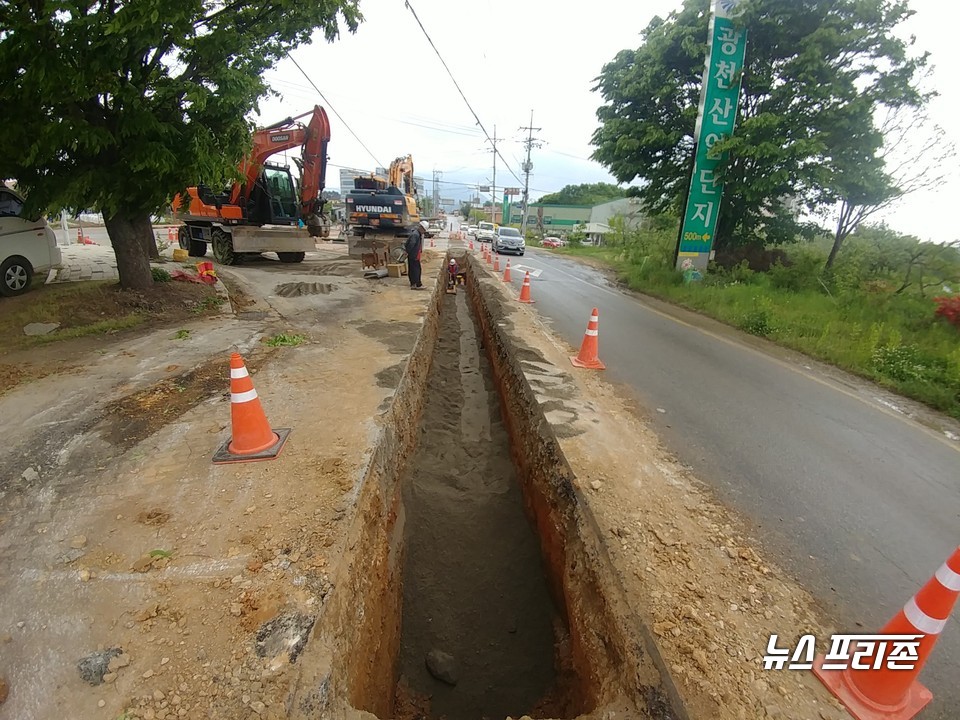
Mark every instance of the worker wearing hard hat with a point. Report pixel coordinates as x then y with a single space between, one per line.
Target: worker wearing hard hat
414 249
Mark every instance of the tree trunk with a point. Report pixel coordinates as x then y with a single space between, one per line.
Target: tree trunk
145 230
838 239
129 245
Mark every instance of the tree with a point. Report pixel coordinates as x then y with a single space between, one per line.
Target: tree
465 209
585 194
330 195
915 156
117 106
815 71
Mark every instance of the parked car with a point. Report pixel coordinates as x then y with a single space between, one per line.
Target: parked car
553 242
472 230
26 246
508 240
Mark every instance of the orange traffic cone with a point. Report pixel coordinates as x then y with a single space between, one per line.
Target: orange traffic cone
525 290
431 241
252 437
79 236
506 272
471 244
587 357
496 263
877 691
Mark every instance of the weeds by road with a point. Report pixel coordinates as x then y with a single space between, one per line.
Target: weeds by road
850 319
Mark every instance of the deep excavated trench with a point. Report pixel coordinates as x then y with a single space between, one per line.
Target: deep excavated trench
473 582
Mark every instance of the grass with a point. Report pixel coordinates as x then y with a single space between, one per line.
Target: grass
97 308
181 334
284 340
894 340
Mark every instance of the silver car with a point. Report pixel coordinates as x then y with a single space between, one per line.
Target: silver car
508 240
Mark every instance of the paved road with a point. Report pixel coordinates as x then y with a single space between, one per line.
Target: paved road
860 503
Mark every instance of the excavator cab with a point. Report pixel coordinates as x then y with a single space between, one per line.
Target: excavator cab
273 199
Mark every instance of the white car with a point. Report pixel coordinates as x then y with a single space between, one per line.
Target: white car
472 230
26 246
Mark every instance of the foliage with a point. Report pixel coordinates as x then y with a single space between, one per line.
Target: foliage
585 194
160 275
160 553
284 340
949 309
211 302
815 73
115 107
181 334
465 210
330 195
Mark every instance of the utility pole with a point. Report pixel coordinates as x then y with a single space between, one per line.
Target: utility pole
493 188
436 191
527 168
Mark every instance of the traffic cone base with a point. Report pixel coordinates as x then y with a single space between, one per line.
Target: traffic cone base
589 365
861 707
225 455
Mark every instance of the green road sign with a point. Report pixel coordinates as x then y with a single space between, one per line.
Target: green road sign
719 101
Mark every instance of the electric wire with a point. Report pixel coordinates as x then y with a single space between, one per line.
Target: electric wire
469 106
330 105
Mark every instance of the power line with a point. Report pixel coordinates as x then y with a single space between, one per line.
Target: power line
469 106
327 102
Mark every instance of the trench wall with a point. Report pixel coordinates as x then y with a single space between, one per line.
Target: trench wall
613 653
350 659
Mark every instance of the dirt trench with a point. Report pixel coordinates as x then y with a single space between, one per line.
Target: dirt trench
472 584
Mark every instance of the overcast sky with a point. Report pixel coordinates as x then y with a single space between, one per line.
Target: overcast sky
509 58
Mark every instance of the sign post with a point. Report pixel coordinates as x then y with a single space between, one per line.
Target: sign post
719 101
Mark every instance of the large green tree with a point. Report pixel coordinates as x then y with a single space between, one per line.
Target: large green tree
585 194
116 105
816 72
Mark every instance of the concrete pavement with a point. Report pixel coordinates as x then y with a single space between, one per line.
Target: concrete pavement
854 498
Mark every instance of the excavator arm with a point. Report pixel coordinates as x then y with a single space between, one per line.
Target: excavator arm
285 135
401 175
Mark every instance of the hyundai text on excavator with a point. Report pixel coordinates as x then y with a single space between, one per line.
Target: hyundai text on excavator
262 212
382 211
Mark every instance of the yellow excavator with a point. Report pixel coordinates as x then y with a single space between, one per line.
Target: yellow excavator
381 212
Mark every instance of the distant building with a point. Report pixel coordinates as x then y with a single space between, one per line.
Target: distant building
555 218
347 176
626 208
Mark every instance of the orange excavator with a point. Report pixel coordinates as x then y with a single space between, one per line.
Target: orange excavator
264 211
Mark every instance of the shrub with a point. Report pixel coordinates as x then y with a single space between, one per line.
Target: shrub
758 320
803 274
949 309
160 275
899 362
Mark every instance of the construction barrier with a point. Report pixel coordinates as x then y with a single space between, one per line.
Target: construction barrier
252 437
873 690
525 290
588 357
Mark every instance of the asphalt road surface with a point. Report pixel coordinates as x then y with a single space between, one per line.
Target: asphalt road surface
856 500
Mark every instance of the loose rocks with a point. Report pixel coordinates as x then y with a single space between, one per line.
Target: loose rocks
95 665
442 666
